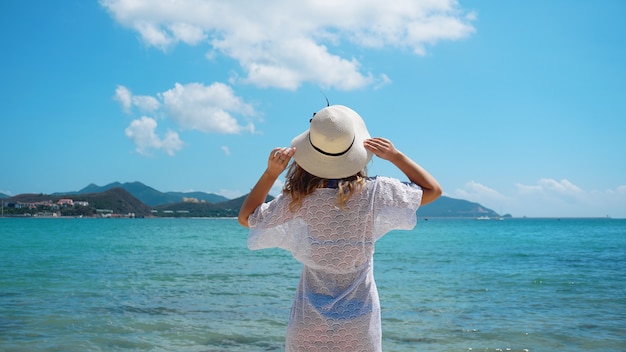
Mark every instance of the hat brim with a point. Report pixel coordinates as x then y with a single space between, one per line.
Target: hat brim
334 167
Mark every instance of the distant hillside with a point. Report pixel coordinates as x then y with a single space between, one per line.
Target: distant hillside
135 197
151 196
2 196
442 207
457 208
229 208
117 200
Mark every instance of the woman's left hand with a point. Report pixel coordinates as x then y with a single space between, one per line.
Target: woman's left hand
279 159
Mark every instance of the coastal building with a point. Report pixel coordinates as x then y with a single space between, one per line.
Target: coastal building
65 202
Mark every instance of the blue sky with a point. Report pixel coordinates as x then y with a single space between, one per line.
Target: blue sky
520 106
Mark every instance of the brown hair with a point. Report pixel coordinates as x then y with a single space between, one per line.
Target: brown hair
299 184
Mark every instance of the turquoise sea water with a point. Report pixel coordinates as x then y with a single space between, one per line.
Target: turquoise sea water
192 285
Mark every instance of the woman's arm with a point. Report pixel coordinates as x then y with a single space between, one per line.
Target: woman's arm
276 164
384 149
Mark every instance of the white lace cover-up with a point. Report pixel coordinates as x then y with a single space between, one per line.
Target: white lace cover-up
336 306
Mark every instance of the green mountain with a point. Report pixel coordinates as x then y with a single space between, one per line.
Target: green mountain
455 208
442 207
114 201
137 198
229 208
151 196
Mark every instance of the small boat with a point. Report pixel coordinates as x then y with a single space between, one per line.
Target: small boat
484 217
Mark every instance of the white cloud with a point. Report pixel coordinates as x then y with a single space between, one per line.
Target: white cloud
188 33
547 186
146 103
478 192
127 100
229 193
124 96
383 81
610 202
290 62
195 106
528 189
281 43
548 198
226 150
143 133
152 34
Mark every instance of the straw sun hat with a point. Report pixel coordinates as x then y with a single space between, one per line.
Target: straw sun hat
332 147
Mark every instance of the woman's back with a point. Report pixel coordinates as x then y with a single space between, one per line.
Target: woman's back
337 240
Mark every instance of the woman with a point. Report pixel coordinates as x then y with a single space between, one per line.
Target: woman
329 216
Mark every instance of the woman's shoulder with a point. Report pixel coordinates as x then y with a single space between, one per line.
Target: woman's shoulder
389 184
386 180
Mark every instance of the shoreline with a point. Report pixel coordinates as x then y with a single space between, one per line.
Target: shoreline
234 217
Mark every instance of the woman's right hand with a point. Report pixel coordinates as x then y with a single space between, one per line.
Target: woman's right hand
384 149
381 147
